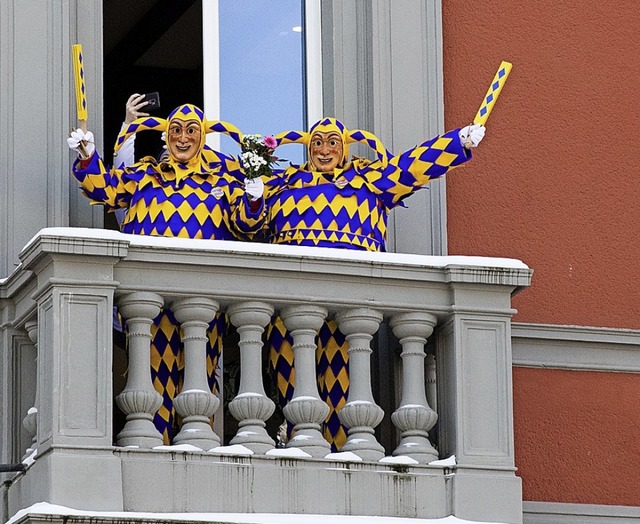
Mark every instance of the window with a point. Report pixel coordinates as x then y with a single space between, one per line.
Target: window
254 67
254 63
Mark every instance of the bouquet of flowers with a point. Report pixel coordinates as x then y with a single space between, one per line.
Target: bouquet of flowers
257 155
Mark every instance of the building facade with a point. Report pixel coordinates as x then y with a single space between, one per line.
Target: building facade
559 205
553 185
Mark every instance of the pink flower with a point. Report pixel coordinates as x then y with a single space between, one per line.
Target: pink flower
270 142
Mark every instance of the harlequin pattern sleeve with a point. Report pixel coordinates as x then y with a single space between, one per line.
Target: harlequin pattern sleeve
413 169
103 186
159 203
125 156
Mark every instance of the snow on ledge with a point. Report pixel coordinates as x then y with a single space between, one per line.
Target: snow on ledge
343 456
235 449
179 447
451 461
43 508
287 453
398 460
238 247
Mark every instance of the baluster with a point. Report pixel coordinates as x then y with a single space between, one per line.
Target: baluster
306 409
195 403
360 414
251 407
431 380
30 421
139 400
414 417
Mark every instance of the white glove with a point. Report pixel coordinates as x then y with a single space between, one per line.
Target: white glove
81 142
254 187
471 136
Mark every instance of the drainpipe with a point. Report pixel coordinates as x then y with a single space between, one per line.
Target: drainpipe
5 501
8 468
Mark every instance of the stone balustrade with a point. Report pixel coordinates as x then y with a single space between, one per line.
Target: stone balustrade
63 296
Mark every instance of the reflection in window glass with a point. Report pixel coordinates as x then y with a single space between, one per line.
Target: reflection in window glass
261 69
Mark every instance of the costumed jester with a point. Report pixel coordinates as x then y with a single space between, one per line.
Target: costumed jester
337 201
196 193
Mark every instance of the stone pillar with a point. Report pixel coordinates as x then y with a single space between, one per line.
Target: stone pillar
75 315
476 397
251 407
195 403
363 42
139 400
360 414
30 421
74 296
306 410
74 366
414 417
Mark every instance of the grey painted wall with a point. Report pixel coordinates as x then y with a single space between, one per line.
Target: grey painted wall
37 111
371 83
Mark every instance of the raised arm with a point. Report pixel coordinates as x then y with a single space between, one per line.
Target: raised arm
413 169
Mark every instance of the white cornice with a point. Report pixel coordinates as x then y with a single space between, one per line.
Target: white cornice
576 347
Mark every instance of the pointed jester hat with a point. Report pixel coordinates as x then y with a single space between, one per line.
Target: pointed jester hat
185 112
326 125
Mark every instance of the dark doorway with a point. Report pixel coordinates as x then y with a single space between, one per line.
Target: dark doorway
150 45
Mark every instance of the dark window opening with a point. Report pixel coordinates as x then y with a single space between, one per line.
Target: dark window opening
149 45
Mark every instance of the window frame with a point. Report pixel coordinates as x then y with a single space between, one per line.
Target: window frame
312 63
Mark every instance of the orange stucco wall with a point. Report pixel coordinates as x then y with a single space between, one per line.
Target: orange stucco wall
576 441
556 182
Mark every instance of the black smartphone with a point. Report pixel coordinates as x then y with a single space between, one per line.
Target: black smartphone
153 100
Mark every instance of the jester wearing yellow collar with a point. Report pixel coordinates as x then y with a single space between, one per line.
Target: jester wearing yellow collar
335 201
195 193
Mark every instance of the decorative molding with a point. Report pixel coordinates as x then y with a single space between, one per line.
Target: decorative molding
408 106
561 513
485 360
576 348
369 85
8 257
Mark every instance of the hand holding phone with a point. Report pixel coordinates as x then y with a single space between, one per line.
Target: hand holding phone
153 101
137 106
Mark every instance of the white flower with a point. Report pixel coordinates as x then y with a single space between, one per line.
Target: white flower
257 157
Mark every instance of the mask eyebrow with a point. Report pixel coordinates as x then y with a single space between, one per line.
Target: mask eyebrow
319 135
184 123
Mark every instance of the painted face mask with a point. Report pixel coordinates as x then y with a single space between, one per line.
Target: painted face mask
328 147
329 130
185 135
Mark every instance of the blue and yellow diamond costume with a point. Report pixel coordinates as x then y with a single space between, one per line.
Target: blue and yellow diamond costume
346 208
203 198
